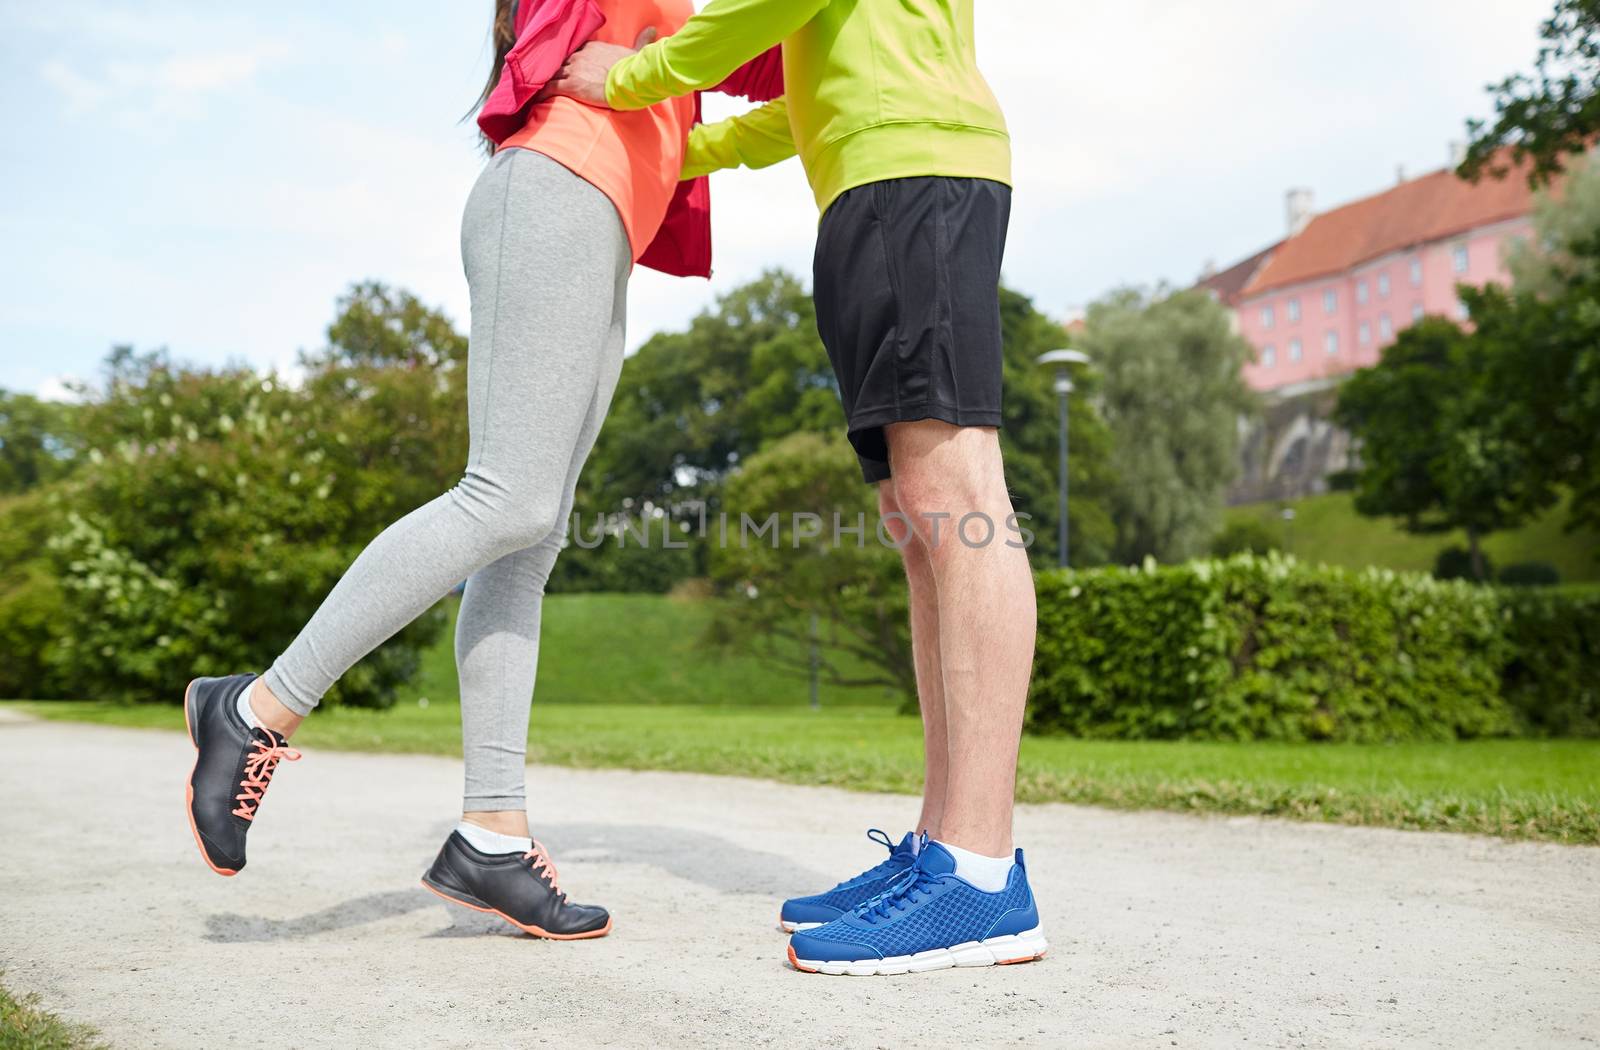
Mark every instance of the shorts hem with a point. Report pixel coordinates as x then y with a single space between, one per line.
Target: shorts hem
955 415
865 421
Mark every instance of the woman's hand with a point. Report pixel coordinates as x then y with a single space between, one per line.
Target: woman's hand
583 77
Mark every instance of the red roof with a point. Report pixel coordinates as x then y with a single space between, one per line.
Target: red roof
1229 285
1422 210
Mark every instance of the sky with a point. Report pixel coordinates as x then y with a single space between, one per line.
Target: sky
211 177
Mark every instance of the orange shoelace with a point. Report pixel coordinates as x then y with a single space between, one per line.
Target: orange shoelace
258 770
542 862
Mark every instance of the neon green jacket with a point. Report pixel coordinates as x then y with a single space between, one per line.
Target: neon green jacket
874 89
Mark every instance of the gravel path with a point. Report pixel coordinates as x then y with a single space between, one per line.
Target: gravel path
1166 930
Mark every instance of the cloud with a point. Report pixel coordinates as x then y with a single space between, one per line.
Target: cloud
211 72
58 388
180 83
79 92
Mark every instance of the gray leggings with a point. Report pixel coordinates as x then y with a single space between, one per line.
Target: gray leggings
547 262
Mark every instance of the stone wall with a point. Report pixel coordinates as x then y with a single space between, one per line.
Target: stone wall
1292 448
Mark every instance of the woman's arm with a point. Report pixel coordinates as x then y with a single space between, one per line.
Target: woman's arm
757 139
710 46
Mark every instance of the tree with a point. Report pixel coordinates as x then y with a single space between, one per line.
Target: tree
217 507
780 570
1561 251
1433 452
692 407
393 381
1172 394
30 596
1031 436
37 444
1542 378
1541 347
1554 113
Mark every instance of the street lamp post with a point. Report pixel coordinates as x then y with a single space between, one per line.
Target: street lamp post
1062 361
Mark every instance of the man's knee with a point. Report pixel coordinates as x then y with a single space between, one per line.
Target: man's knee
948 481
897 526
896 523
932 504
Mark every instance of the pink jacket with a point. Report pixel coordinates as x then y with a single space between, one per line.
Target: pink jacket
548 31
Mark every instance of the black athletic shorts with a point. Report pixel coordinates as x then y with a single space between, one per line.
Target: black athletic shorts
907 288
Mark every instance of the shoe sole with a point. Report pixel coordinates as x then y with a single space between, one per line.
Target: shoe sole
996 951
188 788
537 931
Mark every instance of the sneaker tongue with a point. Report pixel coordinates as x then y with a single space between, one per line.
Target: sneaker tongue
936 860
906 844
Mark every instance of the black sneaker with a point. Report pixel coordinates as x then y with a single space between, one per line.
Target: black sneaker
521 888
233 765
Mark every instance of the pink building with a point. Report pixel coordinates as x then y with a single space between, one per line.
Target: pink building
1327 299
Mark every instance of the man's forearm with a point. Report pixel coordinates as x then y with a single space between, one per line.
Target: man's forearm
710 46
757 139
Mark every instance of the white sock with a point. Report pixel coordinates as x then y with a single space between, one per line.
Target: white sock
492 842
245 711
989 874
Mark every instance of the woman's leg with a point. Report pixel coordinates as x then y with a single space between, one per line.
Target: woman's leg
544 253
490 862
497 637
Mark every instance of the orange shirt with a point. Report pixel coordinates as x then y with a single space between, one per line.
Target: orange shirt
633 158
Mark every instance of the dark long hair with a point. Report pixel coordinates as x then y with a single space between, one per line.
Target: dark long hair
503 35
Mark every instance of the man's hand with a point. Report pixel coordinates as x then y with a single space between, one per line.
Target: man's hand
584 75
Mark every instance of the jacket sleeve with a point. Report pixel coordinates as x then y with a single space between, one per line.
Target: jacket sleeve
710 46
757 139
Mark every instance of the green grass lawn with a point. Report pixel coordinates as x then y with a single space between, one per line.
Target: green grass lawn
1547 790
1328 529
642 649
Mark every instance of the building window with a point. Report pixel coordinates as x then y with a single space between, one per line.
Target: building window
1330 301
1416 273
1417 312
1330 344
1269 356
1385 328
1267 318
1361 292
1366 333
1463 312
1296 350
1383 285
1294 311
1462 258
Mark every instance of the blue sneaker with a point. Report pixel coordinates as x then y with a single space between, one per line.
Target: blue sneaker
807 913
930 919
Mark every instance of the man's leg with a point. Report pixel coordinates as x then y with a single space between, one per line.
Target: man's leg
950 482
924 604
969 902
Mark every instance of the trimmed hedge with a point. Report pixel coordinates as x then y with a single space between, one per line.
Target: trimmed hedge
1268 648
1553 677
